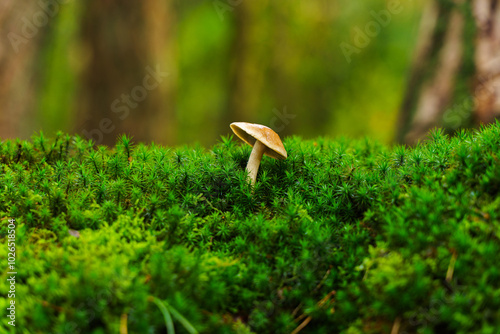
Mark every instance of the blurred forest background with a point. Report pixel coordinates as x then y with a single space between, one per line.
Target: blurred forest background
178 72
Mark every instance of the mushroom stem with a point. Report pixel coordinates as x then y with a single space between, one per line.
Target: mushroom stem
254 161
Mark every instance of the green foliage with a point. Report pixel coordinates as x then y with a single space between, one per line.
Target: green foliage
343 236
291 49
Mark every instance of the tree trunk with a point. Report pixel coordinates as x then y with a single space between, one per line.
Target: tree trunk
427 99
436 86
18 57
128 81
487 60
426 43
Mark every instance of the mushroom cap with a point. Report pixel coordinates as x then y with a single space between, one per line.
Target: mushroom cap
249 133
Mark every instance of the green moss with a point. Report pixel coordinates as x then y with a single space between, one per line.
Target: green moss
343 236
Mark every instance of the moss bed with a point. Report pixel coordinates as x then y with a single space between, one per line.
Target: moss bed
342 237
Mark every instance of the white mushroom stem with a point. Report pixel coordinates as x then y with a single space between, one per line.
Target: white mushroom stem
254 161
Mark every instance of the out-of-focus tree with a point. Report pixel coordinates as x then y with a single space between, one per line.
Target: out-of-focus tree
23 26
487 60
437 62
455 76
129 80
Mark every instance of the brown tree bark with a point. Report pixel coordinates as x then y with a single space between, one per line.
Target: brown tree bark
129 79
18 57
425 44
430 97
487 60
436 90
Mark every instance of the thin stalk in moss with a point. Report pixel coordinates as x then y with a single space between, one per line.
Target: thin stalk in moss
166 314
167 310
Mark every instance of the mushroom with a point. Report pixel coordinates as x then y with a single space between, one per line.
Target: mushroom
264 141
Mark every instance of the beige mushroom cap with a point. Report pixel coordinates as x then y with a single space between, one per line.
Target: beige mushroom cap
249 133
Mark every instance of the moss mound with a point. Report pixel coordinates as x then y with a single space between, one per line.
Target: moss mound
342 237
